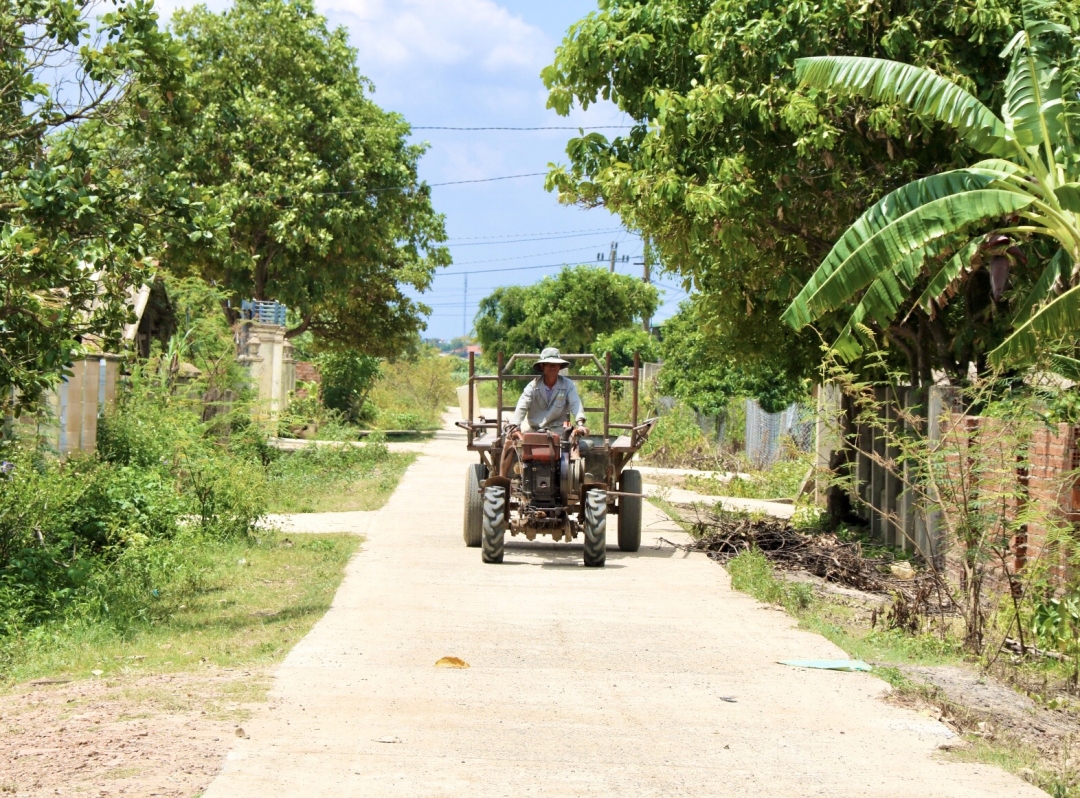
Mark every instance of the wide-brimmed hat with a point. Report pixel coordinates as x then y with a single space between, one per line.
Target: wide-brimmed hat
550 355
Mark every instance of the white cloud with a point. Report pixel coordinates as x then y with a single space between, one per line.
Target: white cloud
441 33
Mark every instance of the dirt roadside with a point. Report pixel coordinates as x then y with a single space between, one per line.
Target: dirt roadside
161 735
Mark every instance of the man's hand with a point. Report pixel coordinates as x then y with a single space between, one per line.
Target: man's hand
581 430
513 432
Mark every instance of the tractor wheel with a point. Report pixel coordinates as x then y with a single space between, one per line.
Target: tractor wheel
630 511
494 523
474 504
595 528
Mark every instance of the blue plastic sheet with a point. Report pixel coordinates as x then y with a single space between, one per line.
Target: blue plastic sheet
829 664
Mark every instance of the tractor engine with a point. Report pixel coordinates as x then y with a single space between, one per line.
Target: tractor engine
540 457
551 473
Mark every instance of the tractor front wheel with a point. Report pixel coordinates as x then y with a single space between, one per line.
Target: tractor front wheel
595 528
494 524
474 505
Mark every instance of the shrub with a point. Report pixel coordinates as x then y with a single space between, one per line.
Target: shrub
622 344
347 379
414 391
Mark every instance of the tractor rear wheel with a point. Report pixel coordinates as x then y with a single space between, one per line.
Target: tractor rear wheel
595 528
494 523
630 511
474 505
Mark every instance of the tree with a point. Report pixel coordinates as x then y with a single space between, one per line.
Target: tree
707 377
623 345
502 325
326 212
742 179
1028 186
79 219
569 311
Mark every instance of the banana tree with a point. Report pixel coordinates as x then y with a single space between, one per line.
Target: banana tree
931 232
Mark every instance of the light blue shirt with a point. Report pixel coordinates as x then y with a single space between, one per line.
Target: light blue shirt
549 407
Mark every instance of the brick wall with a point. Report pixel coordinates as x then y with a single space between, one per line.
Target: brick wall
1054 489
307 372
1049 489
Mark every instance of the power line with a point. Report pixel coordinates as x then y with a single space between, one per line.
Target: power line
558 233
523 257
547 127
398 188
512 269
512 240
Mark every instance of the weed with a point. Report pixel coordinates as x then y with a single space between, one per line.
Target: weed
752 573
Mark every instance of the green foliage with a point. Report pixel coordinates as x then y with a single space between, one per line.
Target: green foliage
623 345
678 442
1027 188
569 311
347 379
83 209
741 178
326 213
783 480
699 370
751 572
411 394
1055 623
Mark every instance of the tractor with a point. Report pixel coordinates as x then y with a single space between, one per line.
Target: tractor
560 484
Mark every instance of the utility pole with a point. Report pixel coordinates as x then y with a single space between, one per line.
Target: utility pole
613 257
646 322
465 308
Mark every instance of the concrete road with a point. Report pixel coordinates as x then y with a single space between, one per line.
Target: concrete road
649 677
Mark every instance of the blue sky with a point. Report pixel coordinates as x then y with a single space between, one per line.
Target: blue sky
473 63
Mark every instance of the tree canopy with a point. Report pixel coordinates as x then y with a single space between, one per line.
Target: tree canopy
741 178
80 221
699 371
569 310
895 259
319 185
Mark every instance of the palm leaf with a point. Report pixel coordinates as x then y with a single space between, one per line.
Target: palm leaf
1055 320
1033 106
1067 367
923 91
934 220
1053 277
892 288
1068 196
883 212
941 287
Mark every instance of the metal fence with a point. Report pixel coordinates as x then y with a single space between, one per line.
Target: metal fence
765 432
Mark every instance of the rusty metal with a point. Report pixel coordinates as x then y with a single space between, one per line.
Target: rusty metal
472 374
499 390
634 406
607 400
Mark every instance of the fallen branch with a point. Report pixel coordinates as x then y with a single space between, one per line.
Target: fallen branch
726 535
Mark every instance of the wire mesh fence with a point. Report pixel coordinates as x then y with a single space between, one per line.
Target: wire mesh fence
765 432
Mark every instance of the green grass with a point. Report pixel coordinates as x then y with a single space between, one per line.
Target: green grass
299 487
248 605
752 573
784 480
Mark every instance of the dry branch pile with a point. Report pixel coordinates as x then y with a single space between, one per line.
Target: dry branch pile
725 535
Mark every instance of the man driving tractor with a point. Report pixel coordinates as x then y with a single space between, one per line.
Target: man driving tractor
546 402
